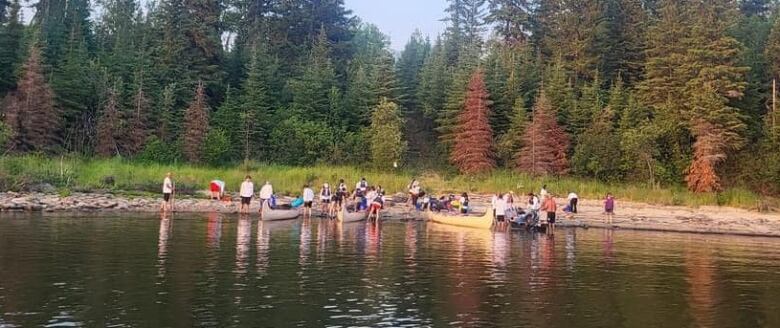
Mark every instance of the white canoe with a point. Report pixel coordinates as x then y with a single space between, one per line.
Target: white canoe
345 216
267 214
479 222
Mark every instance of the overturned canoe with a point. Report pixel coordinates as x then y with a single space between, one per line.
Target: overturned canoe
267 214
479 222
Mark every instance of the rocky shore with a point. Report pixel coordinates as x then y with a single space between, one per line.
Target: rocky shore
638 216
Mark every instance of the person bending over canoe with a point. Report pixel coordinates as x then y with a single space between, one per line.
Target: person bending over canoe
246 192
325 198
266 192
167 190
308 200
375 209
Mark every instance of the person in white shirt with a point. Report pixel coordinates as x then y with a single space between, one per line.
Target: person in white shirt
167 190
534 205
543 193
308 199
500 208
573 200
246 193
325 197
493 204
266 192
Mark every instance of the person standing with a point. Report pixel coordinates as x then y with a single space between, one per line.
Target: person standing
246 192
167 189
543 193
499 208
609 208
493 204
266 192
308 200
573 200
325 198
550 207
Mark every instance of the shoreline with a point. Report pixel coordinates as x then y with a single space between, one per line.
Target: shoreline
628 215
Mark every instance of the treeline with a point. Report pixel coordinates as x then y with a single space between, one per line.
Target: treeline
657 91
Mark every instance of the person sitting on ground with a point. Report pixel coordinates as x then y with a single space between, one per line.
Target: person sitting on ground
573 200
308 200
266 193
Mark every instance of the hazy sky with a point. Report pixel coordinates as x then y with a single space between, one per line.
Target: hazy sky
396 18
399 18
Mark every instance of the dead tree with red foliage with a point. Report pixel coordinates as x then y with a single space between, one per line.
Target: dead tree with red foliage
29 111
108 131
473 151
718 130
196 126
544 142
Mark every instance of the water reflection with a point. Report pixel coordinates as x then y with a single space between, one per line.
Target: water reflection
398 274
213 230
164 235
263 248
243 241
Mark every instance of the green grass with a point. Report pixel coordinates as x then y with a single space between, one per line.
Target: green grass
79 174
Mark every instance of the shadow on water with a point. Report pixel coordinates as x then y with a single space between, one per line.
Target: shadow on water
228 271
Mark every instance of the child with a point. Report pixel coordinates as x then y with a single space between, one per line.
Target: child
609 208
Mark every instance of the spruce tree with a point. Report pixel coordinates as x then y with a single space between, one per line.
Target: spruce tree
409 68
473 151
11 33
109 132
310 91
138 128
511 141
257 103
511 19
544 143
196 126
30 112
598 152
386 135
718 131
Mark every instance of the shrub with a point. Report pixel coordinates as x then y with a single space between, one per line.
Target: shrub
297 142
157 151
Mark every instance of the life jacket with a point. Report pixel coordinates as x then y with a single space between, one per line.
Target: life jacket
363 184
325 192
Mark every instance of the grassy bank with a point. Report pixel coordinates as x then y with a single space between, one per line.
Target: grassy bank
69 174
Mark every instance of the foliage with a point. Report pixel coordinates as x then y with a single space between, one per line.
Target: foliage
196 125
544 142
216 148
298 142
472 151
159 151
109 131
385 135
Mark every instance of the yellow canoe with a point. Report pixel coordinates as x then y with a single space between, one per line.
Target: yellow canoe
483 222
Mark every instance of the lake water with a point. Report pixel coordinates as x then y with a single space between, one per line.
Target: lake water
222 271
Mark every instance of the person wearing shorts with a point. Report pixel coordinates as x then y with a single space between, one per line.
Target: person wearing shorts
549 206
167 190
246 193
308 199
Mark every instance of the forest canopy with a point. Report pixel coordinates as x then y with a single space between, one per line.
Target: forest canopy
658 91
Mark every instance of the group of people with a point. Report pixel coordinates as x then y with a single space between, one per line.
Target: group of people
505 211
372 200
364 197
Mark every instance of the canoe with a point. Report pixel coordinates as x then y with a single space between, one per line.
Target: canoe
346 216
267 214
483 222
